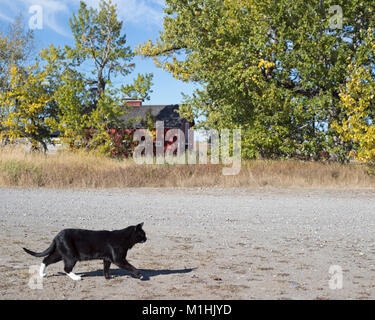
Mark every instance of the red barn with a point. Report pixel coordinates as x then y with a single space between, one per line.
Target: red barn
136 117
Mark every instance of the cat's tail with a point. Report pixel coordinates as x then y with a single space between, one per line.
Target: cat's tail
44 253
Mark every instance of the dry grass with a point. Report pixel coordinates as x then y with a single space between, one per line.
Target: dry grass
79 170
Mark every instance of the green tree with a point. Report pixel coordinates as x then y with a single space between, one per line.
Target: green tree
358 103
273 68
25 107
88 103
16 49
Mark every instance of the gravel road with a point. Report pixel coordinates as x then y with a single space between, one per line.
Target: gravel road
203 243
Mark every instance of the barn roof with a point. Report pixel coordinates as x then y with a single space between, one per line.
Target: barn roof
167 113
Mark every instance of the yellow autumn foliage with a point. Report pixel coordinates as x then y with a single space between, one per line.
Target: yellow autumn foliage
24 106
357 99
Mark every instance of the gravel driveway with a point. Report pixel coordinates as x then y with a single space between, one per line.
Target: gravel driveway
203 243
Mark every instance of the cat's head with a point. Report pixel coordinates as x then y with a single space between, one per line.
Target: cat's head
139 234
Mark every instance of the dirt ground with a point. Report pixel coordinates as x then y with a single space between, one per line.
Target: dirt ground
203 243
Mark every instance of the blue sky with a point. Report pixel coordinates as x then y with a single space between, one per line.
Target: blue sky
143 19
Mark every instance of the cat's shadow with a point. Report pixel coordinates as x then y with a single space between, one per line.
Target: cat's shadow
147 273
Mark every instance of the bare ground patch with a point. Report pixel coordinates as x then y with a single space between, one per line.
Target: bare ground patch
223 244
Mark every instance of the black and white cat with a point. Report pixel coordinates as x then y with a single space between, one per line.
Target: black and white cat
73 245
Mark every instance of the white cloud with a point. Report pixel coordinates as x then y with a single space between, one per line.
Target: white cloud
57 12
5 17
50 8
148 12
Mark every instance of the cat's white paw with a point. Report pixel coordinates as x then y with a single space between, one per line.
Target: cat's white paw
41 270
74 276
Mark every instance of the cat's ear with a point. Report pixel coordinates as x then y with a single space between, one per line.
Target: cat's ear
139 226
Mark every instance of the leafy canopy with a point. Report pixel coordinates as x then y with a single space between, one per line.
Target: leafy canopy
357 101
88 102
274 68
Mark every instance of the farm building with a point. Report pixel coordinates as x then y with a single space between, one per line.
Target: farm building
139 116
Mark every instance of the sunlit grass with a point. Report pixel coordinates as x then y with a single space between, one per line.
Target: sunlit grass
83 170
